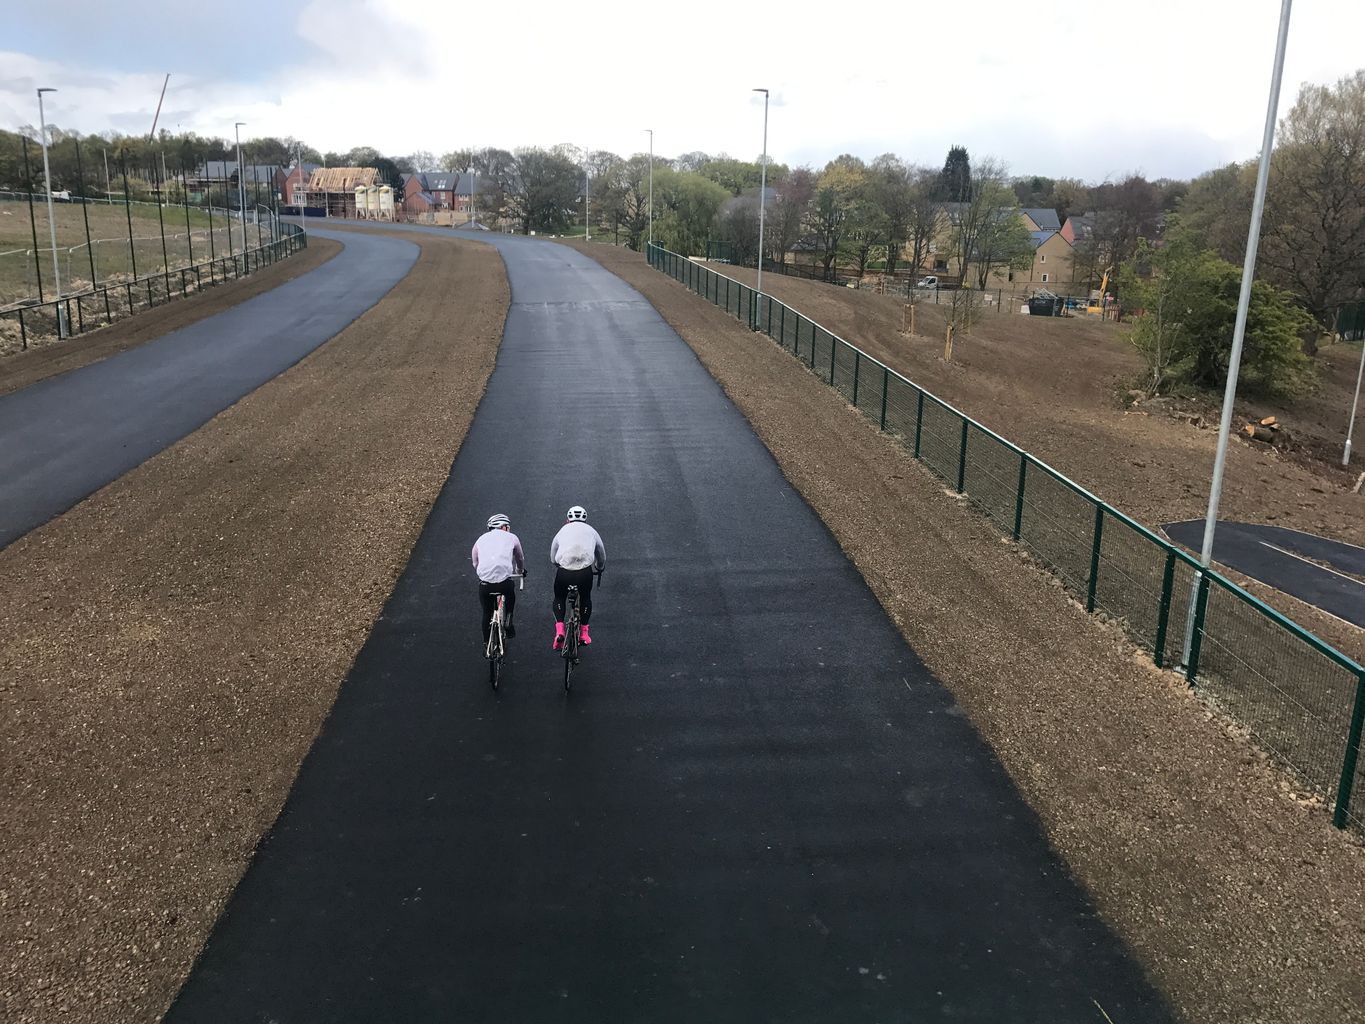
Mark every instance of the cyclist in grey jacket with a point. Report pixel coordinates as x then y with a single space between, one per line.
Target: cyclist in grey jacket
577 553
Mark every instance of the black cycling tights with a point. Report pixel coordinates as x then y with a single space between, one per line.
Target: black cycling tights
581 578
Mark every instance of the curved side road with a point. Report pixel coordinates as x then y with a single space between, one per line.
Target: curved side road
1287 560
67 436
757 804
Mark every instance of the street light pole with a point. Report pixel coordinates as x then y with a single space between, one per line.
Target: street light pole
1239 329
762 192
651 186
473 191
1351 423
241 183
587 201
51 219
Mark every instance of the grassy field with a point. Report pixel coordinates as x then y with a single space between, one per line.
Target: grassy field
109 244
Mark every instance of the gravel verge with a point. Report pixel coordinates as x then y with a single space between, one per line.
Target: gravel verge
50 358
170 647
1238 896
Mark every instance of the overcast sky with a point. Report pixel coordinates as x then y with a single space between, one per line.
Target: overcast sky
1164 87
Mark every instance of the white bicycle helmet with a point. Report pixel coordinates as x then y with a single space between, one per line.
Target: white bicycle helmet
578 512
498 521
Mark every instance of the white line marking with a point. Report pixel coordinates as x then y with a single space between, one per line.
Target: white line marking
1309 561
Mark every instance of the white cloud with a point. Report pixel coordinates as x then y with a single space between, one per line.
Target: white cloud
1170 88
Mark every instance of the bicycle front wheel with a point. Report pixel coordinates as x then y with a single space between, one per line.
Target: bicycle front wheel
494 670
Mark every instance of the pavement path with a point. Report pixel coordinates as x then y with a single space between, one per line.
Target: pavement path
756 805
1288 561
69 435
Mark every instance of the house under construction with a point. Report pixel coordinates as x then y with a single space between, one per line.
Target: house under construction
334 189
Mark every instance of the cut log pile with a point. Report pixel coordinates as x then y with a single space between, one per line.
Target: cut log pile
1266 430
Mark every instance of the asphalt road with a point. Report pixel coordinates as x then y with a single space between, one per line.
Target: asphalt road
69 435
756 805
1287 560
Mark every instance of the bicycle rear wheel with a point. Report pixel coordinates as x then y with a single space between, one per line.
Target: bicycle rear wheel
570 641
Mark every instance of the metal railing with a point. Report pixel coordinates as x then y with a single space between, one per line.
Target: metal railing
1303 700
76 313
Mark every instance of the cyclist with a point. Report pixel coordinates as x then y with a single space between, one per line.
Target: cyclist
497 555
577 553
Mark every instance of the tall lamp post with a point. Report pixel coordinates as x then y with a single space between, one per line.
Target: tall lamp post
651 186
51 218
762 194
587 201
1239 328
473 191
241 183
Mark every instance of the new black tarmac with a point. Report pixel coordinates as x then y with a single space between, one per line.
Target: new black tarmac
756 805
69 435
1287 560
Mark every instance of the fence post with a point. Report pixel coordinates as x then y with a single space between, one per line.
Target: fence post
1019 497
857 358
23 330
919 419
1095 559
962 458
1163 617
812 344
1348 767
1201 603
782 328
33 227
833 344
886 380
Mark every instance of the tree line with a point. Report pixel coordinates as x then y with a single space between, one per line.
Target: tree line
888 213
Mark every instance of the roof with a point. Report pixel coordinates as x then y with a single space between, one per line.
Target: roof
1082 225
1039 237
342 179
440 182
1046 219
421 197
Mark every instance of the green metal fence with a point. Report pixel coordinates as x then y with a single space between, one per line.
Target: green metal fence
1302 699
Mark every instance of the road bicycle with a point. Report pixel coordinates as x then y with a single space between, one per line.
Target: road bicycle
573 622
496 648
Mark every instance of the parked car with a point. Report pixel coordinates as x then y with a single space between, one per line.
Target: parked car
927 282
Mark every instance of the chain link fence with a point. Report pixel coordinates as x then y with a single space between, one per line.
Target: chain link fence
1300 698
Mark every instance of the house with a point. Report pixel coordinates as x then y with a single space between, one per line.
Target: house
294 184
333 188
1079 228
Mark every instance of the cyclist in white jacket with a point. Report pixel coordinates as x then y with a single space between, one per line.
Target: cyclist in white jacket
577 553
497 559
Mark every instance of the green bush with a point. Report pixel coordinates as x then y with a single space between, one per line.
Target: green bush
1185 300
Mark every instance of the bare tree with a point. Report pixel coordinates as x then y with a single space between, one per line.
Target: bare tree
787 214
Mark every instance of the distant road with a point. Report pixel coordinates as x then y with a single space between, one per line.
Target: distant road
65 437
1287 560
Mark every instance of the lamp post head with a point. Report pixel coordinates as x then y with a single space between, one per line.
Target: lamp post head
763 91
46 89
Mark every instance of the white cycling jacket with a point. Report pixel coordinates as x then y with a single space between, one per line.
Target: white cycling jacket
577 546
496 555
